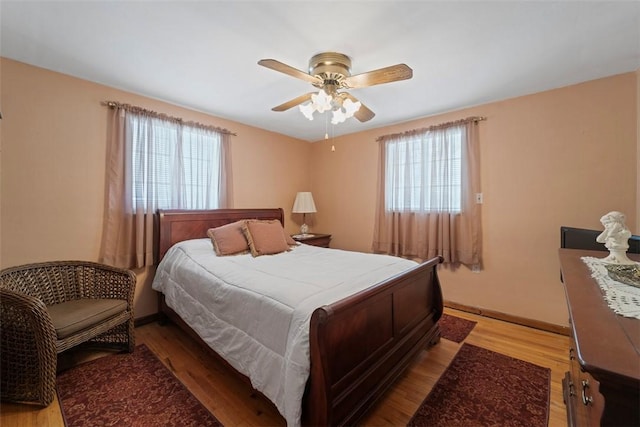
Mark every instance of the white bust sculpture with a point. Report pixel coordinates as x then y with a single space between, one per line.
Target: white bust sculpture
615 238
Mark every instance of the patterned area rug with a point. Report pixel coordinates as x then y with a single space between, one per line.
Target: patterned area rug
484 388
454 328
133 389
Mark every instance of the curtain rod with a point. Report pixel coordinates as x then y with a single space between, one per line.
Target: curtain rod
474 119
128 107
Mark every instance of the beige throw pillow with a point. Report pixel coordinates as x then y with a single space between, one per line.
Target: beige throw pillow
229 239
289 239
265 237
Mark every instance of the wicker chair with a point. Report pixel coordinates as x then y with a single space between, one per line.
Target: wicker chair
47 308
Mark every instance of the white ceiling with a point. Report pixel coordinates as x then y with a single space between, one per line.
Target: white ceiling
203 55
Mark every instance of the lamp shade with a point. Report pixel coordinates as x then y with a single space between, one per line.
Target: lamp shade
304 203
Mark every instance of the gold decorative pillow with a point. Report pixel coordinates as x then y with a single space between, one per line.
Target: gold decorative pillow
265 237
229 239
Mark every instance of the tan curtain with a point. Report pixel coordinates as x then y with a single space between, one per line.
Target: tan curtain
226 177
130 234
453 234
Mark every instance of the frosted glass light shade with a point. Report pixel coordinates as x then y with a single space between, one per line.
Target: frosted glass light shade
338 117
351 107
307 110
322 101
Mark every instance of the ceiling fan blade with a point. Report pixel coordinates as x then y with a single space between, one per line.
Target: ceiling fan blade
390 74
286 69
293 102
364 114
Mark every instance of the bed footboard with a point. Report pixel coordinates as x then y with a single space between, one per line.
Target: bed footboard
360 345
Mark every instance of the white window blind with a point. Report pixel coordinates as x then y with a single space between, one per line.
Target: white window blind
173 166
423 172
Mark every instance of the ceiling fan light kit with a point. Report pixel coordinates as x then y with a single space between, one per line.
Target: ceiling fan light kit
321 102
331 73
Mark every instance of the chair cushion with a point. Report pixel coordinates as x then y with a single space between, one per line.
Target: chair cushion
72 316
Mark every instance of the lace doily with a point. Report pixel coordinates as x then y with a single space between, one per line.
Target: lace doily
622 299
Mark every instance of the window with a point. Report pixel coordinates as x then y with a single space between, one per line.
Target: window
423 172
173 166
157 162
426 194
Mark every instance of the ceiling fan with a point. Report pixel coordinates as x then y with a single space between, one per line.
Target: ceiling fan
331 73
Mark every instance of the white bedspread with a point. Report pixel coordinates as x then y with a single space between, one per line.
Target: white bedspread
255 312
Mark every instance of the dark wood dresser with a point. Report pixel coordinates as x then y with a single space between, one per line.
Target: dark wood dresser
603 386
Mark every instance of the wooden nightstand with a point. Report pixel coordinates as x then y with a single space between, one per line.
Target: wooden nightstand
314 239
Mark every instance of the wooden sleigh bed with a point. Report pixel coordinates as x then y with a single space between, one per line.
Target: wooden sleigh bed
359 345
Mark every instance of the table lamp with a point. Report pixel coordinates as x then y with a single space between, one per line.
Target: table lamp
304 204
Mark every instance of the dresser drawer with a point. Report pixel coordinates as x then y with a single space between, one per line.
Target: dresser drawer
603 385
582 397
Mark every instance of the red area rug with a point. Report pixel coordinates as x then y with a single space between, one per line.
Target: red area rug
133 389
484 388
454 328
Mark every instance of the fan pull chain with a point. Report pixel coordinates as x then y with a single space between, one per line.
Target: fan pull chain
326 124
333 147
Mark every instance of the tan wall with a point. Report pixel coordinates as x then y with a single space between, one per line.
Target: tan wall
547 161
53 156
562 157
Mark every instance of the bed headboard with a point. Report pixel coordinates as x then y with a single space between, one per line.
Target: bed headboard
178 225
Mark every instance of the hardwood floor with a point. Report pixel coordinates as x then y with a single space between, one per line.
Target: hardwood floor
234 402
